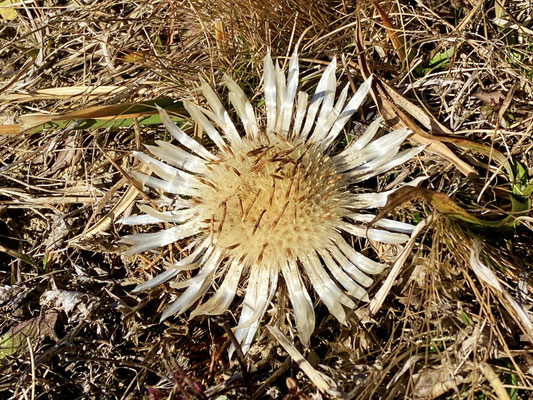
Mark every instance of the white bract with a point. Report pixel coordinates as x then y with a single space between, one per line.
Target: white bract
273 201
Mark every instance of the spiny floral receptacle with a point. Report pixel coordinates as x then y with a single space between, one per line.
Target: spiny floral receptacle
270 200
273 201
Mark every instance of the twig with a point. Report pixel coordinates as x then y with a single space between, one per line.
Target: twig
238 350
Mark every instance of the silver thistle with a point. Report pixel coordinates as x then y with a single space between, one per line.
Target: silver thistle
274 201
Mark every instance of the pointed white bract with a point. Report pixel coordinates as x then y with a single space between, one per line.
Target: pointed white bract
269 80
274 200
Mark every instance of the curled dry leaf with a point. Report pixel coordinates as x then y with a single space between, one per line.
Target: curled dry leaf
442 203
493 98
75 304
434 382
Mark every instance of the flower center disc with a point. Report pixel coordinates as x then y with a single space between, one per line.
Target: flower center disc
269 199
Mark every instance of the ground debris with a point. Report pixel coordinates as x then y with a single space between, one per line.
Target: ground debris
66 298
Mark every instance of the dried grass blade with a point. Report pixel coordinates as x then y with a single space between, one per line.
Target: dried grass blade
379 298
106 221
391 31
101 116
67 92
494 381
389 103
20 256
485 274
427 120
323 382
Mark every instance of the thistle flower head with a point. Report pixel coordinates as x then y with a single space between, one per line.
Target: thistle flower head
273 201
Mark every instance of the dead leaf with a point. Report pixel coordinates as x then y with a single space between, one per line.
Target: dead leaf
75 304
442 203
9 129
474 339
220 34
70 154
135 57
63 92
20 256
7 10
427 120
59 230
434 382
124 111
35 328
433 143
491 98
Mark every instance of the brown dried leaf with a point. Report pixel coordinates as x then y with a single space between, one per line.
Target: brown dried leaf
35 328
434 382
443 204
75 304
400 119
58 233
69 155
491 98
